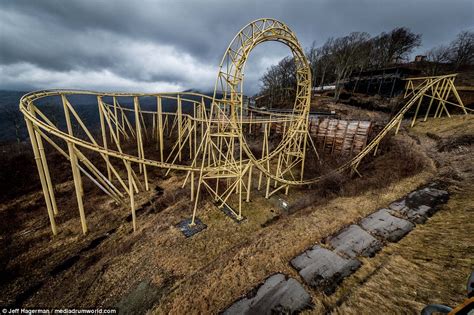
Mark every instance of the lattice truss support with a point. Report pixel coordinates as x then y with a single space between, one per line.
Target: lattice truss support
224 145
204 137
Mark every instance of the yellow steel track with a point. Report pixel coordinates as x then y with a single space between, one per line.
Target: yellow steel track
207 136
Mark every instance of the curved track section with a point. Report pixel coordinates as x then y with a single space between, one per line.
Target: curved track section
204 136
224 145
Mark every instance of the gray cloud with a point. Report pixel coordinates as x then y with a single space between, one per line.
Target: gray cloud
156 45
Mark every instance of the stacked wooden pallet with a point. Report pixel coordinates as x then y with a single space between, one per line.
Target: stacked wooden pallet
333 136
337 136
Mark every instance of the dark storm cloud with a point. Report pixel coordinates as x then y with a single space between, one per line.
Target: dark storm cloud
156 45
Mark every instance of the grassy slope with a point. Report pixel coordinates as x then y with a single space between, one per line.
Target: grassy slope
432 263
204 273
247 256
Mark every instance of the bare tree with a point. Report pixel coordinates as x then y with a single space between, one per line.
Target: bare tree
362 58
338 58
346 51
437 56
459 53
394 47
325 64
462 51
13 115
278 80
313 54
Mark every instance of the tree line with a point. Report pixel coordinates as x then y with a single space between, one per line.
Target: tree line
339 58
459 53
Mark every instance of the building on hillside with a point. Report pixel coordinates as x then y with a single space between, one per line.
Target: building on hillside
420 58
386 82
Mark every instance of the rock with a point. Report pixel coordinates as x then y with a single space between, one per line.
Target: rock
354 241
383 224
419 214
324 269
397 205
277 295
428 196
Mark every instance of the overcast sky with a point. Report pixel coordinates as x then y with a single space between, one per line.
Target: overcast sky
174 45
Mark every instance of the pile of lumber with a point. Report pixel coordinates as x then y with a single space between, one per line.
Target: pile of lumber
337 136
332 136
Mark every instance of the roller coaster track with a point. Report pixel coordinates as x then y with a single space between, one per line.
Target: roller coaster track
207 136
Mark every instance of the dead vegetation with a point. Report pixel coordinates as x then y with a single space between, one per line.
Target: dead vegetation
347 111
432 263
398 158
205 273
458 143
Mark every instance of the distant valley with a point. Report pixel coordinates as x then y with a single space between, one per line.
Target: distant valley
85 105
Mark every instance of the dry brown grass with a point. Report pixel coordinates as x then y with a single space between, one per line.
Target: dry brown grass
205 273
247 254
345 111
201 274
431 265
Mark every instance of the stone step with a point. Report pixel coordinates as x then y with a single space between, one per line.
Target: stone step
418 215
426 196
420 204
323 269
387 226
277 295
354 241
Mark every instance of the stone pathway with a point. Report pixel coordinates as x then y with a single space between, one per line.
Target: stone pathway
324 268
386 226
278 294
354 241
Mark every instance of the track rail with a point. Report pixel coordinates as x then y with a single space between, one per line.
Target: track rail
206 135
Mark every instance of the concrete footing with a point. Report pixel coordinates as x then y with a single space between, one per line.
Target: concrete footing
190 230
231 214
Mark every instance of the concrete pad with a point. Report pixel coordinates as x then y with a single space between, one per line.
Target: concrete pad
324 269
397 205
277 295
435 192
383 224
188 230
231 213
354 241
